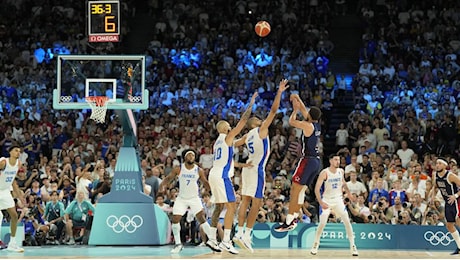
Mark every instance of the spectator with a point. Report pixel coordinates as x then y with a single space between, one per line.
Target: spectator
356 186
377 193
54 216
341 136
153 181
405 153
397 192
77 215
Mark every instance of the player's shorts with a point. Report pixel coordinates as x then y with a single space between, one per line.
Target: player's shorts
335 205
221 187
6 200
452 212
181 205
306 171
253 182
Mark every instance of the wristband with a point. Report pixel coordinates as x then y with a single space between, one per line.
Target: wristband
456 195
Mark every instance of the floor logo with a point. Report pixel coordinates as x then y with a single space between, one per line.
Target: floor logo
124 223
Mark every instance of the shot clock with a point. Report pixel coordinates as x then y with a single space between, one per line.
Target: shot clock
103 21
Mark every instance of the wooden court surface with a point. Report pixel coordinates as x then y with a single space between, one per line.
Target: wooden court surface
193 252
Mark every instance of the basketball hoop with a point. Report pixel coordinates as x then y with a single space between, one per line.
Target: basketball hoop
98 105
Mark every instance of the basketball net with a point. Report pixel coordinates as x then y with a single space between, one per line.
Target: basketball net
98 105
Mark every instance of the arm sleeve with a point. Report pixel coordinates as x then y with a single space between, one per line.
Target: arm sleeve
155 187
370 196
92 208
69 208
46 210
61 209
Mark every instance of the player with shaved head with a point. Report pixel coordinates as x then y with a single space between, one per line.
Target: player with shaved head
220 179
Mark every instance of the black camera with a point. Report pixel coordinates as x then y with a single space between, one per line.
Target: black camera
260 216
347 200
380 204
399 218
405 204
370 217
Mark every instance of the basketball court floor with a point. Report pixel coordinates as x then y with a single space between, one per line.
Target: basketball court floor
196 252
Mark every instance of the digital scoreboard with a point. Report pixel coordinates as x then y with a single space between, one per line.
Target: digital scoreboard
104 21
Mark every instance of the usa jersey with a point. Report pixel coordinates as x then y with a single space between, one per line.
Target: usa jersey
8 174
259 149
445 187
310 147
332 186
188 182
223 156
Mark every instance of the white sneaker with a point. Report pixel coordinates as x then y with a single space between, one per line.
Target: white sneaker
12 246
228 246
247 241
354 250
314 249
71 241
177 248
213 245
239 242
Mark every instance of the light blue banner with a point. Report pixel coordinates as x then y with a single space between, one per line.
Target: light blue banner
367 236
129 224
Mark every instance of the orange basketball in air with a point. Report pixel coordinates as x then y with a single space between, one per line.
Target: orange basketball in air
262 28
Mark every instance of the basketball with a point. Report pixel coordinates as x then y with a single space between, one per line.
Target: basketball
262 28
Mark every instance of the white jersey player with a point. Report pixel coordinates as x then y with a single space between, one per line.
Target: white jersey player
329 192
8 170
220 180
253 178
223 164
188 197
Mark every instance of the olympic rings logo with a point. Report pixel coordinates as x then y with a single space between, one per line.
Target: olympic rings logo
124 223
438 238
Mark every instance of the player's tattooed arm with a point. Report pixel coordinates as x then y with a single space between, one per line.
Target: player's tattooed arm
248 111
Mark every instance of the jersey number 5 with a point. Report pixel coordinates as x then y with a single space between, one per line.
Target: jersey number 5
251 147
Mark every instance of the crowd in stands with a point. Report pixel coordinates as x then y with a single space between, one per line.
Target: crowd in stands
203 70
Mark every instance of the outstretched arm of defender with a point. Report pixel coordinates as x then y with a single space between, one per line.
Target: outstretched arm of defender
244 118
276 104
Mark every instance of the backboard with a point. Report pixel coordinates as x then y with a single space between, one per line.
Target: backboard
121 78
